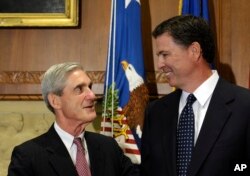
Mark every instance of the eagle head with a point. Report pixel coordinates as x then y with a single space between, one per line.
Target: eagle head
134 79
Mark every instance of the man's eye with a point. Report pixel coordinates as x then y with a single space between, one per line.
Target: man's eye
164 55
78 90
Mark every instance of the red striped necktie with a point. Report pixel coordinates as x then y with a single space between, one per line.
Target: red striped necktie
82 166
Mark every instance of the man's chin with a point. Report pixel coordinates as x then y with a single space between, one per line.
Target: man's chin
171 82
89 120
92 116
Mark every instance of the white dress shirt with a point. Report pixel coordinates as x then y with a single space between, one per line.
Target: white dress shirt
68 142
203 95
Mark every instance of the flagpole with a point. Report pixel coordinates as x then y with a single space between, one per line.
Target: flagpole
180 7
108 69
113 64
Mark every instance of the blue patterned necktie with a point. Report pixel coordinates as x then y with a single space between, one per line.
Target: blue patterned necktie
185 136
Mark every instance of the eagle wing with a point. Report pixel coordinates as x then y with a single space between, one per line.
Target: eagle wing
134 110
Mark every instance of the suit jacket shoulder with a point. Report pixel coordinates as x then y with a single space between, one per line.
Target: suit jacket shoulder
43 155
165 101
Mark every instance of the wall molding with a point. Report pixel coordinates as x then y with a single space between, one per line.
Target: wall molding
34 77
25 85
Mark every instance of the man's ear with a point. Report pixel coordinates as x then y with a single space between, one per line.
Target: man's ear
54 101
195 48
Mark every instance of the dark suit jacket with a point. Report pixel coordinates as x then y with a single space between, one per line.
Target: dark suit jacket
46 155
224 139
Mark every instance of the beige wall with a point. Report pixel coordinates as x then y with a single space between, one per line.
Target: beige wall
20 121
23 120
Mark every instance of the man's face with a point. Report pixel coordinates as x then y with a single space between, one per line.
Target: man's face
175 60
78 100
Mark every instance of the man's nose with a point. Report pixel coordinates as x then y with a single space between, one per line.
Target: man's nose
160 63
90 94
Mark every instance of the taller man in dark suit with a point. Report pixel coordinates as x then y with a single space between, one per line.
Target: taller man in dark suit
66 90
221 111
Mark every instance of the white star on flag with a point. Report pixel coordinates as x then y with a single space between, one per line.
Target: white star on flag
127 2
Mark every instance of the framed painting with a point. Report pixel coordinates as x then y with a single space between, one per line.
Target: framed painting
39 13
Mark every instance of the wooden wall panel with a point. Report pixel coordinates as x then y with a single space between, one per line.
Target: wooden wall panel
29 49
240 41
33 50
232 23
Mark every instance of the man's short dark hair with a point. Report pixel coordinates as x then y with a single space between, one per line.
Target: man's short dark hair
188 29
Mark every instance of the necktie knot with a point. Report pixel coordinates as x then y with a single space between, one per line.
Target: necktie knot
191 99
78 142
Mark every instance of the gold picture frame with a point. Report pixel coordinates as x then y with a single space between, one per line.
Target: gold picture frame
70 16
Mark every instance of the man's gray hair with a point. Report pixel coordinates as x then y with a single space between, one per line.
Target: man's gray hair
54 80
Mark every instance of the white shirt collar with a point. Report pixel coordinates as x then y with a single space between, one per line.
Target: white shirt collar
65 136
205 90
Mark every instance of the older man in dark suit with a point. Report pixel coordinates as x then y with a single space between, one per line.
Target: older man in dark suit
66 90
208 136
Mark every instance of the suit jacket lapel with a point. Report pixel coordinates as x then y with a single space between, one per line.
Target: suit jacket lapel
61 160
58 154
215 119
169 137
95 155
